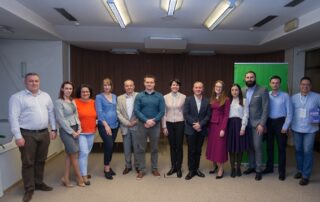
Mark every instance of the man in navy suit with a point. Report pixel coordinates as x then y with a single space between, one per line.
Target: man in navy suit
197 114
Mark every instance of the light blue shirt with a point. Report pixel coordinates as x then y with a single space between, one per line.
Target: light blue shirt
249 94
106 110
280 106
301 106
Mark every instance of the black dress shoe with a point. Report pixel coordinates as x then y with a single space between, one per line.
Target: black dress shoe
126 171
199 173
249 171
171 171
267 171
87 182
304 181
214 170
298 175
258 176
27 196
190 175
233 173
112 172
108 175
221 176
239 172
179 173
282 177
43 187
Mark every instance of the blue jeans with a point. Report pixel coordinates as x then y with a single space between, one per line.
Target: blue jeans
85 145
304 152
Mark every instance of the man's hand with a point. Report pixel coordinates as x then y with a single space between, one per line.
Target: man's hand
260 129
53 135
150 122
242 132
165 131
284 131
197 126
20 142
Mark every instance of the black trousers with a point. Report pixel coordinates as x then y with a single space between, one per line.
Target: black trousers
195 142
108 141
175 137
274 127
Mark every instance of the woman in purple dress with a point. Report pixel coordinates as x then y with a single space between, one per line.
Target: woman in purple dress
237 141
217 140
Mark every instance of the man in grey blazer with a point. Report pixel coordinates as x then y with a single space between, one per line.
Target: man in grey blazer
128 123
257 99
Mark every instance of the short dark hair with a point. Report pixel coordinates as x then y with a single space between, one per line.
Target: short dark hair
306 78
275 77
31 74
149 76
175 80
78 91
61 93
252 72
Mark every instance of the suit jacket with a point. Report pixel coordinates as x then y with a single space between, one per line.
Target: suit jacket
123 115
191 115
258 106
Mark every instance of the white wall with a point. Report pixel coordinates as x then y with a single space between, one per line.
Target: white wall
47 59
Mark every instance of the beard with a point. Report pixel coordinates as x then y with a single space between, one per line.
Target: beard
250 83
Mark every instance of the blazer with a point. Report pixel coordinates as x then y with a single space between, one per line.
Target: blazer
66 115
123 115
220 114
191 115
258 107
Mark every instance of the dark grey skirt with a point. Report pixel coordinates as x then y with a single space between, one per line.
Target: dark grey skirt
71 144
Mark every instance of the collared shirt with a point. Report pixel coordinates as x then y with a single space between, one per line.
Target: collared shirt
32 112
280 106
198 102
174 108
249 94
301 106
129 105
236 110
106 110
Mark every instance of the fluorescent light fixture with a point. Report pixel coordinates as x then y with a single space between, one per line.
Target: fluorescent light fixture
222 10
170 6
118 11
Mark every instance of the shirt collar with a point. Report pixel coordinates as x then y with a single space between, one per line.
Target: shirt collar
274 95
149 93
29 92
129 96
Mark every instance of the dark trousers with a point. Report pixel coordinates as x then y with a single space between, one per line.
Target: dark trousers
175 137
195 142
274 127
108 141
33 156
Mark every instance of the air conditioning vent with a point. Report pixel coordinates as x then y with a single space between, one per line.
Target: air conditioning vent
265 20
293 3
66 14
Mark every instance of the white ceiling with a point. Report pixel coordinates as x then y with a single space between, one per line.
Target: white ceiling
36 19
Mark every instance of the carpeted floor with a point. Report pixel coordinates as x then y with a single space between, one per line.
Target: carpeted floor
164 189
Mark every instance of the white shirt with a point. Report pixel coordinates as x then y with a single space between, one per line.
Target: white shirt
32 112
198 102
129 105
174 108
236 110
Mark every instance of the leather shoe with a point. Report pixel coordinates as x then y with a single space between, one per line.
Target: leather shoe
43 187
239 172
267 171
190 175
140 175
282 177
199 173
112 172
249 171
258 176
171 171
155 173
298 175
233 173
27 196
108 175
179 173
304 181
126 170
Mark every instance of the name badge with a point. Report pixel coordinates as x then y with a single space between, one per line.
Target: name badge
302 113
314 115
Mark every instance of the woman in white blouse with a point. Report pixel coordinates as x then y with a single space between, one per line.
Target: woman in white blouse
173 125
238 141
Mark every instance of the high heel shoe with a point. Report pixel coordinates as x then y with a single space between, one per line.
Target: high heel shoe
214 170
66 184
221 176
80 183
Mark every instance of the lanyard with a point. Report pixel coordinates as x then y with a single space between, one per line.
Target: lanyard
303 101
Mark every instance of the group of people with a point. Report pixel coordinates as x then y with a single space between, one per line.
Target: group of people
235 121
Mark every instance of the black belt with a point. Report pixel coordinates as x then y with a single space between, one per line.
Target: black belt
34 131
274 119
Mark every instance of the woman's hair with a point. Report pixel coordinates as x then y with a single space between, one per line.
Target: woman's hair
78 91
61 93
240 93
108 82
175 80
222 98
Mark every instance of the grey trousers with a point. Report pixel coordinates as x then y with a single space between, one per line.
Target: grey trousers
128 147
255 153
141 143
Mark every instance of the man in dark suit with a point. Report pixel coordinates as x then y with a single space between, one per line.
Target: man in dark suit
257 100
197 114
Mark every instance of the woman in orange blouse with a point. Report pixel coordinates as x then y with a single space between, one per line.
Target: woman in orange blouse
87 115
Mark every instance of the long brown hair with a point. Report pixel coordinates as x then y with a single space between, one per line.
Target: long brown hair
240 94
222 98
61 93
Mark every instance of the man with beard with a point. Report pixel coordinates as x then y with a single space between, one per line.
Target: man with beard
257 99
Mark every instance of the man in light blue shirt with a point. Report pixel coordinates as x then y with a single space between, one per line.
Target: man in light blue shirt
279 119
303 129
